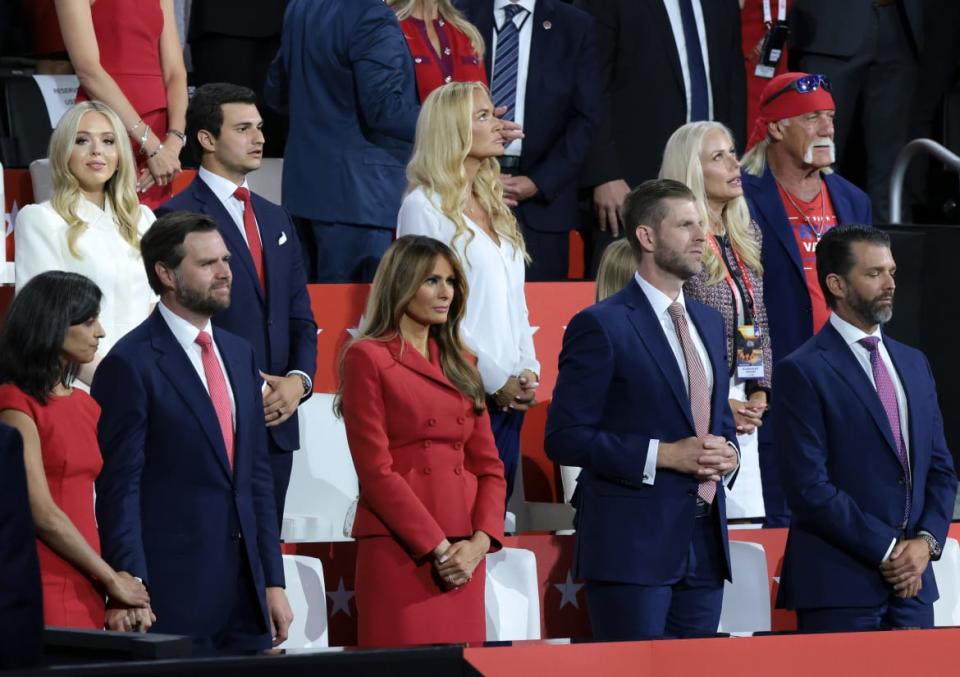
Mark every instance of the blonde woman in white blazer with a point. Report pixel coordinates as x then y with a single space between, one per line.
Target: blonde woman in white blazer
93 223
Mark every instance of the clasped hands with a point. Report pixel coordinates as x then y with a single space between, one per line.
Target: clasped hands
905 567
455 563
519 392
128 608
749 415
281 397
708 458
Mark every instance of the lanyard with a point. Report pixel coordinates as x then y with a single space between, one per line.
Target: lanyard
748 286
781 11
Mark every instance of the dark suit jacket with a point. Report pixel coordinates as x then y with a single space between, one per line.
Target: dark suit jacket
21 598
841 28
789 312
842 476
619 386
345 77
236 18
280 325
562 106
643 84
168 507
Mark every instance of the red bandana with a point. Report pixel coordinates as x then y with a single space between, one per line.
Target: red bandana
788 104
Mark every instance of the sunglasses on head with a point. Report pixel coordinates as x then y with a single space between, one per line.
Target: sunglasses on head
804 85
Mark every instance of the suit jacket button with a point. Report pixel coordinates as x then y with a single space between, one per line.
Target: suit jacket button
461 419
458 445
427 471
900 480
432 422
691 492
426 444
458 470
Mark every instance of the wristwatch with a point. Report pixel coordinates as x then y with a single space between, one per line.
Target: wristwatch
933 544
306 385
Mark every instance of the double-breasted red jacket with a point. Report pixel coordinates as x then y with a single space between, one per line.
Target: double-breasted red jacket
427 464
456 62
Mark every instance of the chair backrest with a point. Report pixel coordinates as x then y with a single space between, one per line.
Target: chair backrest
308 601
512 596
266 181
946 610
746 601
42 179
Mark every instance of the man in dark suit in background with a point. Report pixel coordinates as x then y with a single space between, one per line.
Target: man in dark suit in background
345 78
859 437
663 63
270 306
542 63
21 598
870 50
641 405
185 498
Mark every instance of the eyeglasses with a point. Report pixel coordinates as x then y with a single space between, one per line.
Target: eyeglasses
804 85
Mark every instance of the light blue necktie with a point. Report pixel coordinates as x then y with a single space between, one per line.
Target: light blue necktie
507 60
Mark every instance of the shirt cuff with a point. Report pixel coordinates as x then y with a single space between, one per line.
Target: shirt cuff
889 551
726 479
306 376
650 467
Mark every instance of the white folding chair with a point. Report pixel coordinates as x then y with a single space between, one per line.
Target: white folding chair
512 597
746 601
946 610
42 180
308 601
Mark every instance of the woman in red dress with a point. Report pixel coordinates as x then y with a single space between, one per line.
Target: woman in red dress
51 329
127 54
431 483
444 45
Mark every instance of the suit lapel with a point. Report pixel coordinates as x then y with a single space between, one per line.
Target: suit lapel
842 208
914 384
648 328
408 356
176 366
483 20
717 362
538 65
237 373
840 357
768 201
660 15
231 234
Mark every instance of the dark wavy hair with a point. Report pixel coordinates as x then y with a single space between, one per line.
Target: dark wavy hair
31 341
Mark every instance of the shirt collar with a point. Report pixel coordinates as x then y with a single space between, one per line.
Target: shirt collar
657 298
185 333
221 187
849 333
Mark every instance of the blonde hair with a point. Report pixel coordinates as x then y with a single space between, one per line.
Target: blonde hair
617 266
404 9
443 141
120 189
407 263
681 162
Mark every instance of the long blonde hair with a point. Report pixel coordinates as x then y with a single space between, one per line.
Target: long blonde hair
617 266
444 138
120 190
404 9
407 263
681 162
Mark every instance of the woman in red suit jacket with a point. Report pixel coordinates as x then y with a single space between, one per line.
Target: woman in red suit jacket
445 47
431 482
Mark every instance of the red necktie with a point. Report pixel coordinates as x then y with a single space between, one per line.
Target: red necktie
699 392
217 385
253 235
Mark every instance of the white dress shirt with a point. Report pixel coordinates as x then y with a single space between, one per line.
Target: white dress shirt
660 302
523 21
186 335
496 325
676 25
104 257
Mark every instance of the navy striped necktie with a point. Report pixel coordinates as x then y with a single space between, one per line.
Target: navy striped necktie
506 62
699 97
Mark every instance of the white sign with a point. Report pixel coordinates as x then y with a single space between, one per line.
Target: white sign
59 93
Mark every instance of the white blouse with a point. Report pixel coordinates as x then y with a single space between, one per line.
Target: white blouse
496 325
40 237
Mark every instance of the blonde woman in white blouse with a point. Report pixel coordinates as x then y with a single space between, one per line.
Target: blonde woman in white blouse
93 223
454 195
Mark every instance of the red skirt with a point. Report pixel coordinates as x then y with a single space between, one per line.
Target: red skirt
402 603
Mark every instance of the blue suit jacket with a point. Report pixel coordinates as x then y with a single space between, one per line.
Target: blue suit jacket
789 313
562 106
619 386
168 507
345 77
842 477
279 325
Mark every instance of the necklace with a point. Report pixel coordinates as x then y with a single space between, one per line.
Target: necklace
817 232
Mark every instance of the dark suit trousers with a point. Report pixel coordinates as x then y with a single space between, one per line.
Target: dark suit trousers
892 614
506 434
341 252
874 88
689 607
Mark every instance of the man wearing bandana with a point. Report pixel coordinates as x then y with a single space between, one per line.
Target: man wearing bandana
795 198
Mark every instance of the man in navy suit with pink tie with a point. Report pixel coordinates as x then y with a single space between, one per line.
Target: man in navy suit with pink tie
864 462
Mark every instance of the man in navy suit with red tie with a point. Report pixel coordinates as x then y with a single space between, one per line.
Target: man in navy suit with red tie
864 462
185 498
270 305
640 404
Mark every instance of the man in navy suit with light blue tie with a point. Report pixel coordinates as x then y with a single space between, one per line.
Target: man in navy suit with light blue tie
864 462
345 77
185 498
269 305
640 404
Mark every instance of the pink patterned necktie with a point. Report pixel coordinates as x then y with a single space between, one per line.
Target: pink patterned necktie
217 385
888 398
698 391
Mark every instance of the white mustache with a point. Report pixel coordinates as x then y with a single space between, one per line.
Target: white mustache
820 141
